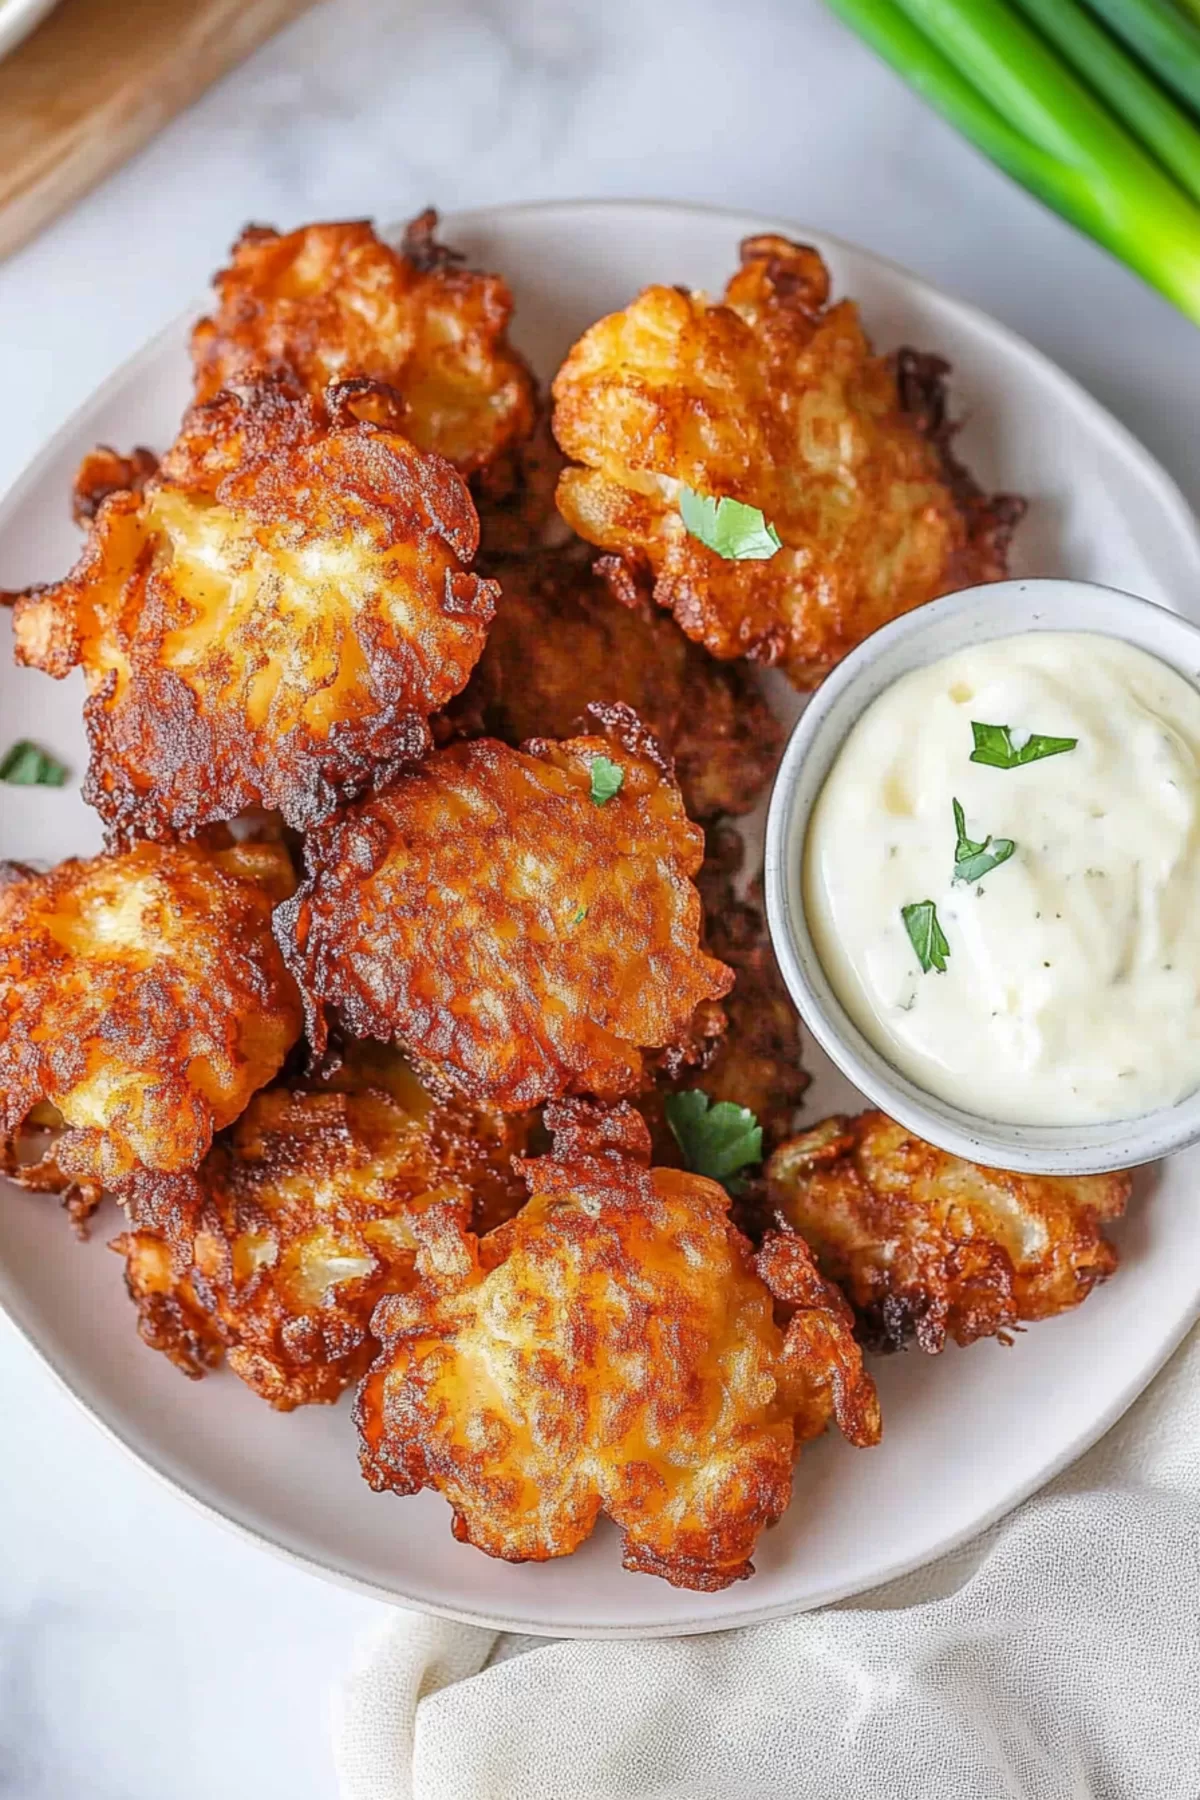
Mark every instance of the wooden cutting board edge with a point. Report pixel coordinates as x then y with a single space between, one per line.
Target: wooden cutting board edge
97 80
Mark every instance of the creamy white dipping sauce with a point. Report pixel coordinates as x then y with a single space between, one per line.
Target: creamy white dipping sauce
1071 991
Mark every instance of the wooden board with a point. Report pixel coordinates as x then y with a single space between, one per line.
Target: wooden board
100 77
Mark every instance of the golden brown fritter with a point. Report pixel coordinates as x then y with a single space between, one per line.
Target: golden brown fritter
614 1348
333 301
758 1059
143 996
486 912
773 398
28 1160
926 1244
272 620
105 471
755 1056
561 641
758 1062
515 497
171 1316
921 385
302 1215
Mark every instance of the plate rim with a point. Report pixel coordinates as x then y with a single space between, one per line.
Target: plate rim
312 1564
1173 501
19 19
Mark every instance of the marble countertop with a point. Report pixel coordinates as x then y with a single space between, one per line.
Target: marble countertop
146 1654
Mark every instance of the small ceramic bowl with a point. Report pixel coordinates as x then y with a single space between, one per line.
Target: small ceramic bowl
918 638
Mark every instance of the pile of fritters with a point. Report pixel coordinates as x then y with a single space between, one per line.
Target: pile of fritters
421 992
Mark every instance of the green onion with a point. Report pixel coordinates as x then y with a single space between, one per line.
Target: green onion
1162 37
1162 126
1043 118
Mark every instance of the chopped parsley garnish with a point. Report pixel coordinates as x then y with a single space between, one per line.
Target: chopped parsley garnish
716 1138
734 530
972 861
926 935
994 746
580 916
27 766
606 779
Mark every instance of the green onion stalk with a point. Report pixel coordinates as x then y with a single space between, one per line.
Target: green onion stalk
1073 101
1158 32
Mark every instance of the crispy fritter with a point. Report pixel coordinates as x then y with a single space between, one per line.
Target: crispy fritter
333 301
302 1215
922 386
143 996
515 497
486 912
28 1160
105 471
561 641
171 1316
272 620
755 1060
927 1245
776 399
614 1348
758 1062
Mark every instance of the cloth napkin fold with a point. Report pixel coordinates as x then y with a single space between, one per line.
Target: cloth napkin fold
1057 1658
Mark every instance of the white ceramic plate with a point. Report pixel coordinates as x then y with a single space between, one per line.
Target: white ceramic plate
18 18
966 1435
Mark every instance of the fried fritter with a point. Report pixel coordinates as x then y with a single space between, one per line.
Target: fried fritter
614 1348
927 1245
145 998
303 1214
758 1062
272 620
490 914
561 641
776 399
515 497
28 1160
921 384
333 301
171 1316
755 1060
105 471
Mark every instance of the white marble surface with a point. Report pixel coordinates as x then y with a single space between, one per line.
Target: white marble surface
144 1653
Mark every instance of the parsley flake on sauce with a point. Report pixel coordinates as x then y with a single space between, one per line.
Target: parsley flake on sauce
716 1138
27 766
734 530
926 935
994 746
607 778
972 861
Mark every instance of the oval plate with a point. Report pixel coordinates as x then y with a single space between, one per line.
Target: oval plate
967 1434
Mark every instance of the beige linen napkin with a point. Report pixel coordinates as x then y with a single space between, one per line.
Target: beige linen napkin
1058 1658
